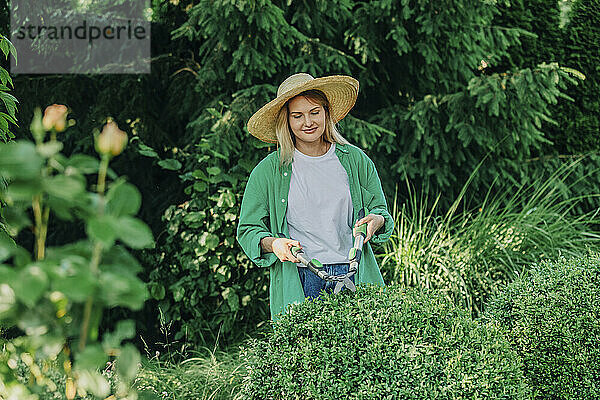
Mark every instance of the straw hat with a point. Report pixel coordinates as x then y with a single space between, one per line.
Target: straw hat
341 92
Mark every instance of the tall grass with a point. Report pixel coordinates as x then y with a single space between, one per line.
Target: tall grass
469 253
211 375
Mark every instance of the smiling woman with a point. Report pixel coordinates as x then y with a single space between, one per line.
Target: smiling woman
310 192
306 117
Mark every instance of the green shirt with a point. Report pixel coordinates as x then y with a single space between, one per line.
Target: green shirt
263 214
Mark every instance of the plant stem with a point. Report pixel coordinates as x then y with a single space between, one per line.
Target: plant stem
102 182
43 233
37 213
87 310
96 253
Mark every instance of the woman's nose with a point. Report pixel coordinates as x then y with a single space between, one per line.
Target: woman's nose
308 121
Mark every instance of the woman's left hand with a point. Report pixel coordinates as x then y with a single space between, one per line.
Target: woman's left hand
373 221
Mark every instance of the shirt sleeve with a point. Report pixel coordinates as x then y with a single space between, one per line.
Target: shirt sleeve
378 204
252 223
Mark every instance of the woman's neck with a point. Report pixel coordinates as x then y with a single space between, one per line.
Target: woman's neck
313 149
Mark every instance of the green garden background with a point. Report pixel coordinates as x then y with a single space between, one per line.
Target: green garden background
483 120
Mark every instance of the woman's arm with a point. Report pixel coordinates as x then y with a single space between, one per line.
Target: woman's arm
378 204
281 247
253 235
251 227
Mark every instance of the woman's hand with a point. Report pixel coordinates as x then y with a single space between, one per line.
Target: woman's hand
282 249
373 221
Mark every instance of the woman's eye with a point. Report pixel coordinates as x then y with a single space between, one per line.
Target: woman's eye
315 113
295 116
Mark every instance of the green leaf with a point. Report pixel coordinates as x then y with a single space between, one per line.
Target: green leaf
94 382
49 148
125 199
32 322
226 198
7 246
198 173
200 186
128 362
157 291
170 164
209 240
91 358
122 289
15 218
64 187
63 209
178 293
125 330
117 256
103 228
9 102
20 160
4 47
84 163
194 219
134 233
77 285
30 284
7 299
213 170
147 151
23 190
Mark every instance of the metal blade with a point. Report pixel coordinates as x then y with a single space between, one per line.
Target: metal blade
338 287
348 283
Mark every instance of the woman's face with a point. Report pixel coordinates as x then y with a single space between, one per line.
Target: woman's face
307 119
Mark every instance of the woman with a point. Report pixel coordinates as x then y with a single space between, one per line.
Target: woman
309 191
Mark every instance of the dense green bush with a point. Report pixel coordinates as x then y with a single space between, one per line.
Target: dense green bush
551 315
382 343
476 249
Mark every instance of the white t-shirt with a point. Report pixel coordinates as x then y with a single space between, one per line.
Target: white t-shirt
319 212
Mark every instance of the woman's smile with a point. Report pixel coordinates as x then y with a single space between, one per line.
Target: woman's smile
311 130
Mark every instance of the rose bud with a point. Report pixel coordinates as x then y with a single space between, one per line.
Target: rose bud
111 140
55 116
37 127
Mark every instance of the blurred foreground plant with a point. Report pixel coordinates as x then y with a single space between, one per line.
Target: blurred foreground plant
472 253
52 300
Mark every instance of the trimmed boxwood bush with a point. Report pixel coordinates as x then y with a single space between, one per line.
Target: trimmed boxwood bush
552 317
378 343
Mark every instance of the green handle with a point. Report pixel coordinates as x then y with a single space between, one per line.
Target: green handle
295 250
352 253
362 229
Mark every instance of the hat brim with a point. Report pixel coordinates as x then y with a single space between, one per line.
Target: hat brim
341 92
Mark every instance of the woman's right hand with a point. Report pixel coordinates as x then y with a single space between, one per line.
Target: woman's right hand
282 249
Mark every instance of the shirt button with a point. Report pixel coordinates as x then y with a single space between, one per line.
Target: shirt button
285 174
283 200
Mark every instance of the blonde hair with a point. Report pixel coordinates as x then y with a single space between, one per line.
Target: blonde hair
285 137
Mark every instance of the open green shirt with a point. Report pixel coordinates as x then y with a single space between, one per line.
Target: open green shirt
263 214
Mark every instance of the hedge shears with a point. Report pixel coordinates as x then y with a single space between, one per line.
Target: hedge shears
354 256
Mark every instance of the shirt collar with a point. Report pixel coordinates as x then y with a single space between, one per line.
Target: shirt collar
341 147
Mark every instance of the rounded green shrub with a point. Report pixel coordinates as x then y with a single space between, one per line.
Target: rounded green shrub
552 317
382 343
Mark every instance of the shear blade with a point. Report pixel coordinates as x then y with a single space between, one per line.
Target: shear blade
348 283
338 287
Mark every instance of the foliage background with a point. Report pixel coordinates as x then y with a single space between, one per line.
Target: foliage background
444 85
